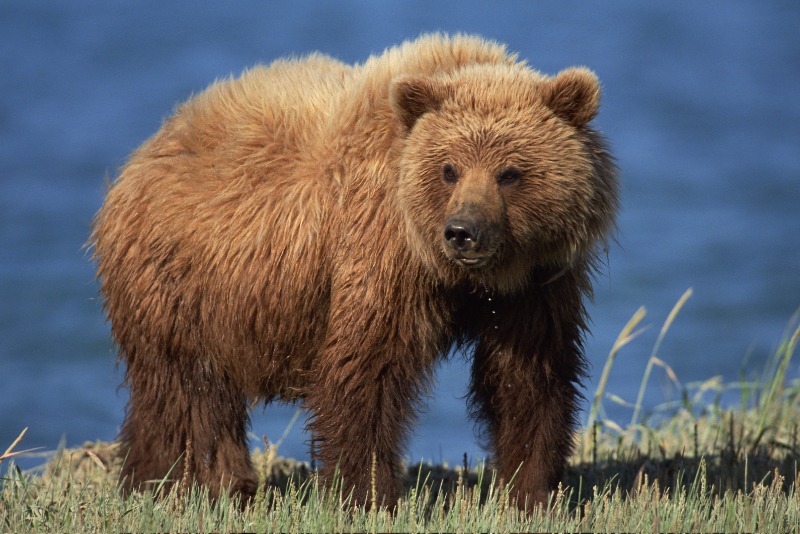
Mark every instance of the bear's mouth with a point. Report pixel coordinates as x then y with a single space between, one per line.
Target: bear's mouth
472 263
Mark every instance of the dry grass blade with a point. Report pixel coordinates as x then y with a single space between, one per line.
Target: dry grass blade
16 442
9 454
96 459
625 336
667 369
653 358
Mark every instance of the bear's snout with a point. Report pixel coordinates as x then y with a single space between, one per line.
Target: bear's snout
461 234
470 241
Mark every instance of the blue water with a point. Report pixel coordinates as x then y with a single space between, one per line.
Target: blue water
702 105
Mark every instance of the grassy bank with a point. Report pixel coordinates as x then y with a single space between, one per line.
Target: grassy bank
696 466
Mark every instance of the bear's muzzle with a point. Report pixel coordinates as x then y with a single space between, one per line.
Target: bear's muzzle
469 242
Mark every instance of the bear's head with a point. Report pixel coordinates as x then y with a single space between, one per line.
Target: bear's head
500 175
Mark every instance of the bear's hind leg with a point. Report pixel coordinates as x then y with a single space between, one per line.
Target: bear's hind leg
185 416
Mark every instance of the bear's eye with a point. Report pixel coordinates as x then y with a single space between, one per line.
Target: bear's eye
450 174
508 176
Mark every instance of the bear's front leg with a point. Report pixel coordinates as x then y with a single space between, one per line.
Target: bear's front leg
367 384
524 390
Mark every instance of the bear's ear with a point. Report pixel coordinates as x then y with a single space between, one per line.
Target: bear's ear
413 96
573 95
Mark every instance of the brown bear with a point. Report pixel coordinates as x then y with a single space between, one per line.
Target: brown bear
325 233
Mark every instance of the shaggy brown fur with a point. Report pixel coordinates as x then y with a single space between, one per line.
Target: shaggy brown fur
327 232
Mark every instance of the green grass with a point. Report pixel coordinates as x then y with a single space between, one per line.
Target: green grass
693 465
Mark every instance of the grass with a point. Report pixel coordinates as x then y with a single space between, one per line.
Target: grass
695 466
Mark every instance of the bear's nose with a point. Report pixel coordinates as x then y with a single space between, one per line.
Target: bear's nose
461 235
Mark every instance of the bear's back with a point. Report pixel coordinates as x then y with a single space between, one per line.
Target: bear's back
279 108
